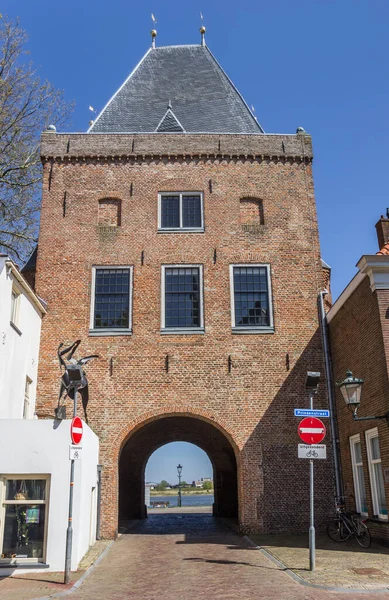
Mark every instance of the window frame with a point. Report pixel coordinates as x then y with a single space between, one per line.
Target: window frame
4 503
16 293
251 329
356 439
369 435
114 331
182 330
27 398
181 228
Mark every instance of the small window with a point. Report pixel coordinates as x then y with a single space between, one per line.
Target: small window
15 301
181 211
376 476
27 394
251 299
358 475
111 301
182 299
24 514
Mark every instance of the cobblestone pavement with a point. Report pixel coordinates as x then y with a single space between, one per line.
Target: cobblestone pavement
37 584
188 556
337 565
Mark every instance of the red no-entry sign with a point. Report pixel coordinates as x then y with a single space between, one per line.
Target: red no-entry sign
76 430
312 430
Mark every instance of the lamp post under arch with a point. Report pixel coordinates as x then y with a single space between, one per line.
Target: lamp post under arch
179 471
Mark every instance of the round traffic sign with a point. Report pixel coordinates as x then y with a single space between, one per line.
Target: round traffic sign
312 430
76 430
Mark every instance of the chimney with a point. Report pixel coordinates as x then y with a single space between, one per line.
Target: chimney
382 228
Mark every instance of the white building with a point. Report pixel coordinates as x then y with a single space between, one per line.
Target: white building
21 315
34 454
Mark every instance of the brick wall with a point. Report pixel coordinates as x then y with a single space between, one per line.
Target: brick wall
251 402
359 335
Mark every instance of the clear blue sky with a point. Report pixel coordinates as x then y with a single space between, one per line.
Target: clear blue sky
163 463
321 64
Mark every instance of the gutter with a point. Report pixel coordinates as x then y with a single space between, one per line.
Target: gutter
331 398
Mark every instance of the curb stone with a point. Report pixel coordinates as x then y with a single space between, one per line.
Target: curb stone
80 581
302 581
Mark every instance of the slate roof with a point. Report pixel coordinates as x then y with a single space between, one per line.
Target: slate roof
185 79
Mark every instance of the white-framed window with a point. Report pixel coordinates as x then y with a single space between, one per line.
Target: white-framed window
251 298
358 475
182 308
27 398
15 303
111 300
180 211
375 472
23 515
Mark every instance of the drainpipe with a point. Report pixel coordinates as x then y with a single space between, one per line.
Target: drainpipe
99 467
331 398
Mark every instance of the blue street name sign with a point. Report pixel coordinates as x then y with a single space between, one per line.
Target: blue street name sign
306 412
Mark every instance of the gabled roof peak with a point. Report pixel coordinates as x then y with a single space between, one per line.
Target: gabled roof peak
205 100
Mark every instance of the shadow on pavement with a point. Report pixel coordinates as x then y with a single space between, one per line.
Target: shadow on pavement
323 542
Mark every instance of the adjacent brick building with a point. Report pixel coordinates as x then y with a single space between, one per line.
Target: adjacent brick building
180 243
359 336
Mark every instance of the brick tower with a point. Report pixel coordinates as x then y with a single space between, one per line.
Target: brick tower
179 242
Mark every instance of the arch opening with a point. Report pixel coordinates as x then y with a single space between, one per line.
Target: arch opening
147 439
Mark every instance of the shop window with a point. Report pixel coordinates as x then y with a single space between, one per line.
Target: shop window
24 515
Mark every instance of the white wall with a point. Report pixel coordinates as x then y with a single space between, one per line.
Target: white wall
42 447
18 351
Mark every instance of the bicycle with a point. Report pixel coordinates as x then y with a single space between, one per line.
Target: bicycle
346 525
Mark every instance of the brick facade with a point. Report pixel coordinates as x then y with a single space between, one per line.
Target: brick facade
359 339
241 387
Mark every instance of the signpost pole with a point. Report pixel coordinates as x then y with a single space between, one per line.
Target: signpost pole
312 549
69 531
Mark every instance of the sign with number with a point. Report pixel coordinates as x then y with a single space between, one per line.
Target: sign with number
311 430
312 451
75 452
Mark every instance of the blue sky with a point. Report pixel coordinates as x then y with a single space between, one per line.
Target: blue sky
320 64
163 463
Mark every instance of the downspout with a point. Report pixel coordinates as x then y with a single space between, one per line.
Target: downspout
331 399
99 467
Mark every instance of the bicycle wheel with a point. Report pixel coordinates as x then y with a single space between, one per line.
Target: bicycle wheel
337 531
362 535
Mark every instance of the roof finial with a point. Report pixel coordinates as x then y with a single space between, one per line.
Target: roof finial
169 105
202 30
153 32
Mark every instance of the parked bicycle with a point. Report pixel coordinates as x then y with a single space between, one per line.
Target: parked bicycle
346 525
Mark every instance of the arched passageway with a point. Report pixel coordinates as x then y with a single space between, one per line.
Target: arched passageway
141 444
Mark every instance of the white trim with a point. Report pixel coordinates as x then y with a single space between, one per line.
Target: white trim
161 121
27 398
181 228
356 439
4 503
376 266
118 90
184 330
110 331
250 328
24 285
369 435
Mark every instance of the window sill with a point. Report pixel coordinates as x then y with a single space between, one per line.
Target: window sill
383 520
183 331
109 332
183 230
15 328
252 330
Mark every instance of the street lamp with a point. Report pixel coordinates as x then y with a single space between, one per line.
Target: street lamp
351 389
179 471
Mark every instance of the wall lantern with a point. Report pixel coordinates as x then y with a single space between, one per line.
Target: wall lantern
351 389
